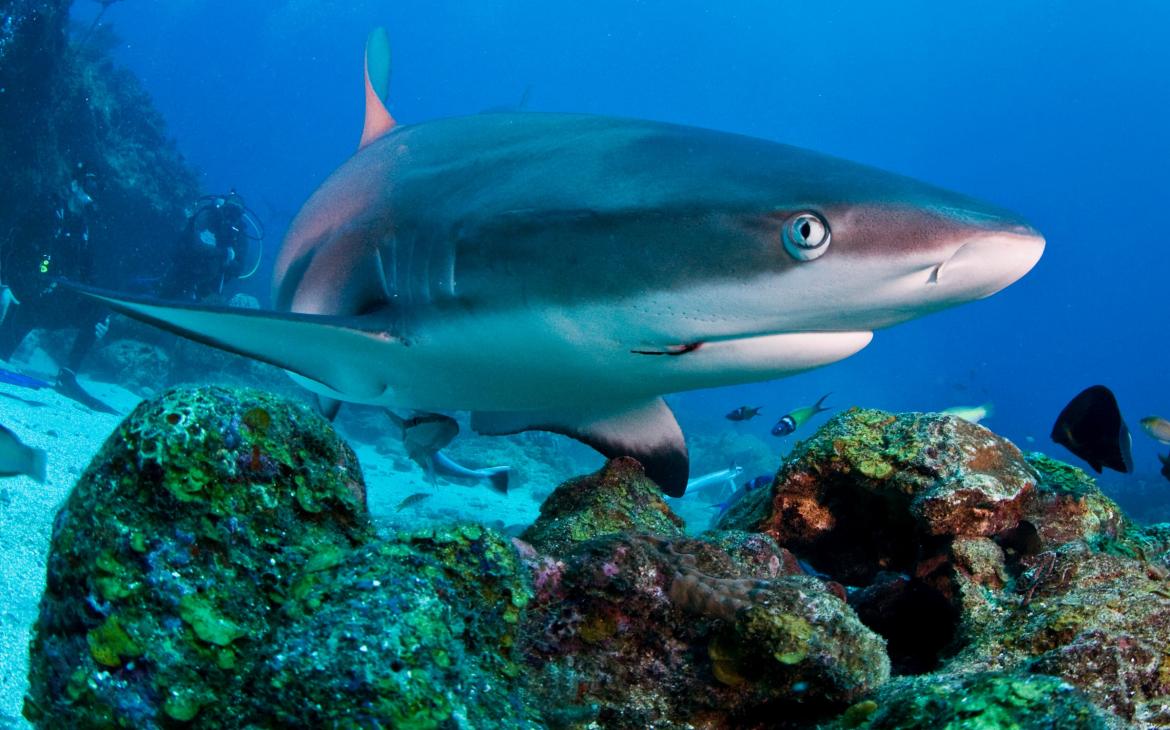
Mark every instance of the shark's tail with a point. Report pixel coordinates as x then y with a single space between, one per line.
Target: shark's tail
497 477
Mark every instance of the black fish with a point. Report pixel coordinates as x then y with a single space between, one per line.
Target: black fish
1091 427
1165 465
743 413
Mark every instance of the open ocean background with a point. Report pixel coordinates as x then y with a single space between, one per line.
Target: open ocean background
1058 110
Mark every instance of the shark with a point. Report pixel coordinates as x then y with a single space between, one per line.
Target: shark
564 272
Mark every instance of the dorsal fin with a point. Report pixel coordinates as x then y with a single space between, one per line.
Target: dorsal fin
378 119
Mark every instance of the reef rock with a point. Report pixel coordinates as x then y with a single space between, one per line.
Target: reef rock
174 551
618 498
985 700
137 366
968 557
419 631
634 631
862 494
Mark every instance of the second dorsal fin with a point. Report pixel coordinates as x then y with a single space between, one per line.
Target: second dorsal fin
378 119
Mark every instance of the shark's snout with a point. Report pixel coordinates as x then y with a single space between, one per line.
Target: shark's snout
988 263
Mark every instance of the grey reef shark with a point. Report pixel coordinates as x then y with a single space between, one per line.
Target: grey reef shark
563 272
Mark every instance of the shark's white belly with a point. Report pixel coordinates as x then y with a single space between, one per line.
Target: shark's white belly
530 360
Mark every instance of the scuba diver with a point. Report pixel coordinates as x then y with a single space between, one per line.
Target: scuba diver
65 254
213 248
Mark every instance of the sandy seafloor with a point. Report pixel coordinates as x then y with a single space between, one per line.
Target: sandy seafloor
72 435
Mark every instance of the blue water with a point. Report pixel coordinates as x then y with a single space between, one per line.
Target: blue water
1053 109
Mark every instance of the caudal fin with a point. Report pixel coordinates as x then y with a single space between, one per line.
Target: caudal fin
818 407
38 462
497 477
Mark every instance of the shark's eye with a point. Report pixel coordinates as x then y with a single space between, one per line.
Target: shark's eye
806 236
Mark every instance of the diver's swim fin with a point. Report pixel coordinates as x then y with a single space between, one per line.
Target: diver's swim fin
24 381
68 386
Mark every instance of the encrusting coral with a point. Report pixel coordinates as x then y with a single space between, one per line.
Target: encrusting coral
216 567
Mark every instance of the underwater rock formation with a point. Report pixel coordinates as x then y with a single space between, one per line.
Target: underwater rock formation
140 367
69 104
989 700
411 632
619 498
631 630
969 556
216 566
172 554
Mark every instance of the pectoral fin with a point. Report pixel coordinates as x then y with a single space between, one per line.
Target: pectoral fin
648 432
332 351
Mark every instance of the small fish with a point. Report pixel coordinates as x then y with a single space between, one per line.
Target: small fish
423 434
7 299
794 420
715 486
750 485
755 483
1091 427
971 414
16 458
743 413
1165 465
495 477
1157 427
412 500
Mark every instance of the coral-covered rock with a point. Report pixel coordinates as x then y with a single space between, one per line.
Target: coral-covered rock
414 632
640 631
141 367
171 556
1098 621
1068 506
986 701
619 498
869 487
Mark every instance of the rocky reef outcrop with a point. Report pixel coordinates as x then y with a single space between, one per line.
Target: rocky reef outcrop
216 567
970 557
634 625
65 103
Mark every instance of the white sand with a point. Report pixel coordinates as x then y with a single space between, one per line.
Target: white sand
71 434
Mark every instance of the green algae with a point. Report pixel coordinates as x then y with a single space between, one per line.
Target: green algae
422 630
189 578
110 645
208 624
618 498
1061 478
980 701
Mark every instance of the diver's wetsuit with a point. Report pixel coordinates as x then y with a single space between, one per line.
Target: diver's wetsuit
211 251
44 304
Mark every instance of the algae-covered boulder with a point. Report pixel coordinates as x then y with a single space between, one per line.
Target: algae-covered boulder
633 631
618 498
990 701
858 497
419 631
177 547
